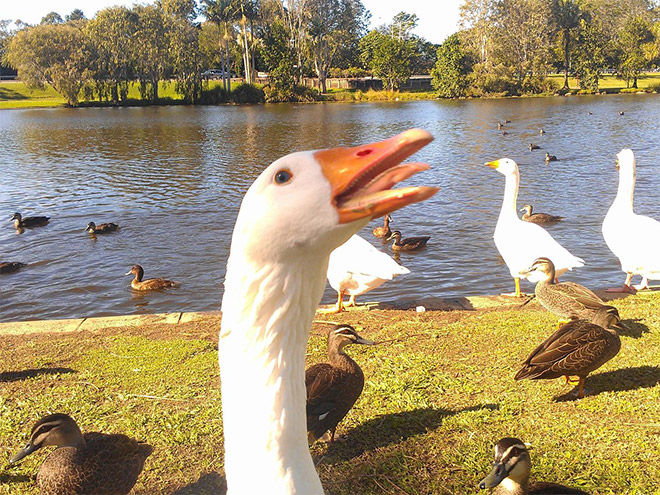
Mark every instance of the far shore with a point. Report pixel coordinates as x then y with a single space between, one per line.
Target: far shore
15 95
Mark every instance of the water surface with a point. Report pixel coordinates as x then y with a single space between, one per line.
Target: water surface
173 178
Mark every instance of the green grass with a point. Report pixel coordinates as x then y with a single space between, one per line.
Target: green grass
436 400
611 83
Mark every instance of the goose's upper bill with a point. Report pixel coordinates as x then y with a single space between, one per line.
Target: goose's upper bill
305 205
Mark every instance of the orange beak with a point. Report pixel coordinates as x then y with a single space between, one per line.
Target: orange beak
361 177
494 164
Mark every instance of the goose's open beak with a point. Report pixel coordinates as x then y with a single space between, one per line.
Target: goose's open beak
361 177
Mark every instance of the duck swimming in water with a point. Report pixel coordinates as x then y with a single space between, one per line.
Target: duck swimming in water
528 216
150 284
409 243
383 231
11 267
28 222
550 158
334 387
103 228
533 146
93 463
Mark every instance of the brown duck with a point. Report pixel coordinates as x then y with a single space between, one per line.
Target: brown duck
10 267
103 228
150 284
567 300
513 464
576 349
528 216
89 464
20 222
407 244
333 388
384 231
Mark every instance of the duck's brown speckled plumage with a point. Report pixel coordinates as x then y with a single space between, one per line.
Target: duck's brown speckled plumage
21 222
409 243
150 284
540 218
333 388
383 231
103 228
10 267
99 464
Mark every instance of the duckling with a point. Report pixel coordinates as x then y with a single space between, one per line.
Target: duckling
93 463
576 349
528 216
541 132
384 231
333 388
103 228
407 244
150 284
510 473
20 222
567 300
550 158
10 267
533 146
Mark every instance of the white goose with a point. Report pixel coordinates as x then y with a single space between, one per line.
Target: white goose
306 204
356 267
634 239
520 243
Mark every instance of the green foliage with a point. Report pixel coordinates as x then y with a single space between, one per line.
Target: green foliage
388 57
590 57
213 96
247 93
451 71
635 35
279 58
303 94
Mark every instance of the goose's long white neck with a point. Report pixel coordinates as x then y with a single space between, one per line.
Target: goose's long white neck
624 195
267 311
509 211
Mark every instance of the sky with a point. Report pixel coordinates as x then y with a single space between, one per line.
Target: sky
437 18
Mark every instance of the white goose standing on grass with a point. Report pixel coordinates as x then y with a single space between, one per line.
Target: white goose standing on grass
634 239
356 267
305 204
520 243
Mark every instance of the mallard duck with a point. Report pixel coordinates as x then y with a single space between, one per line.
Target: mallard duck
150 284
306 204
409 243
333 388
533 146
634 239
511 469
550 158
11 267
93 463
383 231
103 228
567 300
356 267
576 349
528 216
28 222
520 243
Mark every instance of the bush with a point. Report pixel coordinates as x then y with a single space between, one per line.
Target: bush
247 93
213 96
303 94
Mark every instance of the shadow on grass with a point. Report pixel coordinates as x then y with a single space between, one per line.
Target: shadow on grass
14 478
618 381
13 376
10 94
208 484
633 328
392 429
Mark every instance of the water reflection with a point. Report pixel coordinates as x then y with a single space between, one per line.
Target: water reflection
173 179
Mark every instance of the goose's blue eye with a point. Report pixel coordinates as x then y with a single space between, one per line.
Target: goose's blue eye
282 177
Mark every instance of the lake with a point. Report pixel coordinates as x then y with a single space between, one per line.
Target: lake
173 178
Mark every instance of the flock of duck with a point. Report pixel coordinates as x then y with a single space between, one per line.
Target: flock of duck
309 204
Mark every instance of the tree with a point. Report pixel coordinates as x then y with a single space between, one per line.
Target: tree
634 38
75 15
590 55
222 12
279 57
567 18
185 9
388 57
184 57
57 54
451 71
150 48
477 26
52 18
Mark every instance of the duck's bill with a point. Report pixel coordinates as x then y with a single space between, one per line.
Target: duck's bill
362 177
494 478
24 452
362 341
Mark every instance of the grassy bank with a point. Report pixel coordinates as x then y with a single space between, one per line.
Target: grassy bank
436 400
14 94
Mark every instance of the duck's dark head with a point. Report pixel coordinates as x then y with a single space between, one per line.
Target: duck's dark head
137 270
511 461
55 429
90 227
544 268
527 208
341 335
396 235
16 216
608 317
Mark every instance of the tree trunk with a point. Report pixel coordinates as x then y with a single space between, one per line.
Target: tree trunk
154 87
635 81
567 43
227 71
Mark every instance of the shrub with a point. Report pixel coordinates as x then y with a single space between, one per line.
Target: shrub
273 94
247 93
214 96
